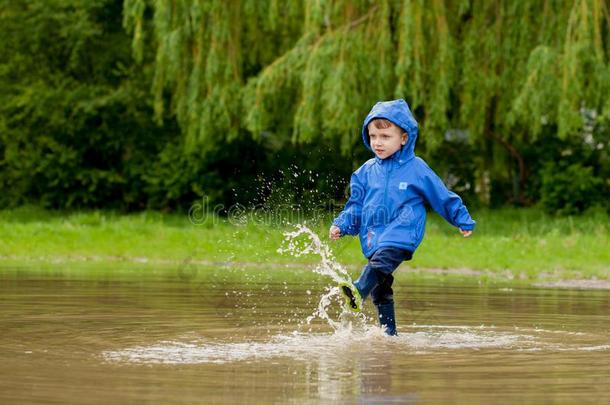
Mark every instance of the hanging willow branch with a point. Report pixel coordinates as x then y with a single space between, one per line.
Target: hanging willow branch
304 71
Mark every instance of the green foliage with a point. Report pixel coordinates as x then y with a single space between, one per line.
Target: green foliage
307 72
345 55
569 189
76 118
75 126
177 179
135 103
574 173
535 106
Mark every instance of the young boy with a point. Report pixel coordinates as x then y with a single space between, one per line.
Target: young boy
386 206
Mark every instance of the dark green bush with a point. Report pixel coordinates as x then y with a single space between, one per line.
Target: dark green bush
569 188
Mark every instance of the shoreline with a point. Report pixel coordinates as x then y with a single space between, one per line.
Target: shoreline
556 280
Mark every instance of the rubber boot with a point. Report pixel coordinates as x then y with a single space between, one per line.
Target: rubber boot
387 318
352 296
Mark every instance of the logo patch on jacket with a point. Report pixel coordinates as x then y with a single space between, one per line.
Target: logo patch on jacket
403 185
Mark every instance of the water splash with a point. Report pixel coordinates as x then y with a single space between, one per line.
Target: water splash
347 344
296 247
322 310
303 241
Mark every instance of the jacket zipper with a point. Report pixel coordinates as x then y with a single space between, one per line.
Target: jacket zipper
385 190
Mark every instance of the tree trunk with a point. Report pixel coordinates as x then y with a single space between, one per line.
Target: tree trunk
490 133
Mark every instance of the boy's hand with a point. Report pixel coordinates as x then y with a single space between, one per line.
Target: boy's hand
465 233
334 233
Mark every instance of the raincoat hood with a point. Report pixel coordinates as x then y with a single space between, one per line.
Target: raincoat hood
398 112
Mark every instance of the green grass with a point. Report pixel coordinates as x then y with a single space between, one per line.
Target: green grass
519 243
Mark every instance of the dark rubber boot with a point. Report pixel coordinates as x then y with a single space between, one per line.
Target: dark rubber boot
387 319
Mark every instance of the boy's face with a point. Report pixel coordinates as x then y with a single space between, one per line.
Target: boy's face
387 141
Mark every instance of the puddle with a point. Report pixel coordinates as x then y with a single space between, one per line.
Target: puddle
243 337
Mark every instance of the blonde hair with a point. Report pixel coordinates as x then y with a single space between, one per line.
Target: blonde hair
381 123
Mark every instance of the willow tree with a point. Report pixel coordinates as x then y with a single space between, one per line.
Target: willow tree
309 71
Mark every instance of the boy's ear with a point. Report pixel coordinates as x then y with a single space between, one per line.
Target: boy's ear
405 138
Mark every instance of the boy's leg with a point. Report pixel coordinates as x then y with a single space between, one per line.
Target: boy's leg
382 264
383 298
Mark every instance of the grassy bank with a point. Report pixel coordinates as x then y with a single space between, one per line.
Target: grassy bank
522 243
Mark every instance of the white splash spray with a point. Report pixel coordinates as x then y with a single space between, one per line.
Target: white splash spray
304 241
328 265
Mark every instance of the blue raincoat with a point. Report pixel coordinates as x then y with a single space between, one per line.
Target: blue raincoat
386 205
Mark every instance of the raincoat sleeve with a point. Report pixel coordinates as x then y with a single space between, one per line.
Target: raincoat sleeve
448 204
349 219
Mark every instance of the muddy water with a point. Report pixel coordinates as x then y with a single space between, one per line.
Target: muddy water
165 339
